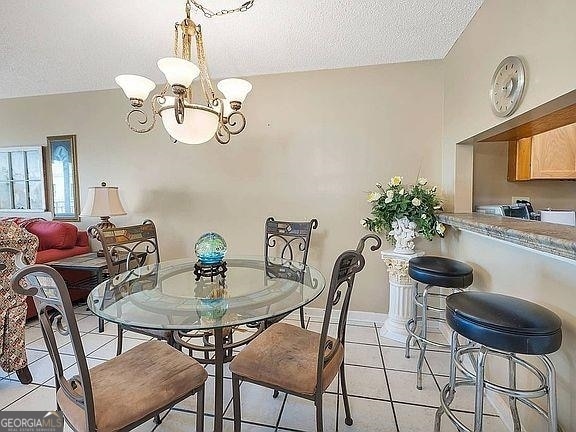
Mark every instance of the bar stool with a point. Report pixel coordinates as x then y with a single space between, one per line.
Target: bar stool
436 273
503 326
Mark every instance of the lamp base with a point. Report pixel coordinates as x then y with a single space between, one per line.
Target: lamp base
104 224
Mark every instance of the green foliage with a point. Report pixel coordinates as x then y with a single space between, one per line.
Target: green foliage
416 202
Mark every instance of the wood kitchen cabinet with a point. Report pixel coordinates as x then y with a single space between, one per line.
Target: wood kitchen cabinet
549 155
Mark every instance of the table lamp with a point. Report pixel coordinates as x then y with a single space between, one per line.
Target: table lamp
103 201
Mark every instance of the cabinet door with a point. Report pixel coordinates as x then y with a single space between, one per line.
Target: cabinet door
554 154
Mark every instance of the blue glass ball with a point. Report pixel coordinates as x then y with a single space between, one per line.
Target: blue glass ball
210 248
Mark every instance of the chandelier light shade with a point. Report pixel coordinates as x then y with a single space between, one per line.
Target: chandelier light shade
135 87
185 120
234 89
178 72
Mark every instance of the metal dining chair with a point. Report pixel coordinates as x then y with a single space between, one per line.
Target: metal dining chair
298 361
126 248
121 393
288 241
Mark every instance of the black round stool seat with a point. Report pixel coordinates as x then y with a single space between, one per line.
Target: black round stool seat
504 323
440 271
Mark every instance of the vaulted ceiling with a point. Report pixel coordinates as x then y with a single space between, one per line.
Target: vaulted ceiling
60 46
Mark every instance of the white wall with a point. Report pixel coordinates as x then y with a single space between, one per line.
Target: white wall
541 32
315 143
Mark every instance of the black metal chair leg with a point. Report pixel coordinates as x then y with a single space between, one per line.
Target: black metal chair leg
236 403
275 394
200 410
120 337
348 419
24 375
302 321
157 419
319 421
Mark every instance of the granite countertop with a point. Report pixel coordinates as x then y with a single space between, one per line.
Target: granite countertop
545 237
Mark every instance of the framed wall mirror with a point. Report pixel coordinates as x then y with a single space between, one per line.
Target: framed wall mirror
62 175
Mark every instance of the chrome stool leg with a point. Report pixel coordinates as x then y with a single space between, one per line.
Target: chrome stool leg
412 322
512 399
451 381
423 338
479 400
552 397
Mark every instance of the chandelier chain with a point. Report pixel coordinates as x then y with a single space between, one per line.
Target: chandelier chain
210 14
203 66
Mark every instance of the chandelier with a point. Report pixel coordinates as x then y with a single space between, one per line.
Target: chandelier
184 120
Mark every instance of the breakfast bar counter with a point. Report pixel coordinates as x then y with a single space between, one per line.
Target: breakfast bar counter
554 239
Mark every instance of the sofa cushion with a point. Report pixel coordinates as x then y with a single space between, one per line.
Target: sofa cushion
53 234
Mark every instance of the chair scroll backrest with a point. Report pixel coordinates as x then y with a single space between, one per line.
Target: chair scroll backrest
128 247
291 238
52 301
347 265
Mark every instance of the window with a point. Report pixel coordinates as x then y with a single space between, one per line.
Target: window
38 179
63 175
22 179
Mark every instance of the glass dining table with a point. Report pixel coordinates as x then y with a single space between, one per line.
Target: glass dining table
170 296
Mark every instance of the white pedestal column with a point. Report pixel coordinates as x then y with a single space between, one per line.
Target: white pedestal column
401 295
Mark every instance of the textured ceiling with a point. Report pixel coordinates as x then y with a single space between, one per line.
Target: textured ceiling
60 46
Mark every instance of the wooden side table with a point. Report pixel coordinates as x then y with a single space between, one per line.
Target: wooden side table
96 266
401 294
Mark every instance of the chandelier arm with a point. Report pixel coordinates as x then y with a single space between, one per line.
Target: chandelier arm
236 123
141 117
179 109
223 133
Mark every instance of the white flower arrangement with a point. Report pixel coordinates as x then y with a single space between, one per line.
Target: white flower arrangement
417 203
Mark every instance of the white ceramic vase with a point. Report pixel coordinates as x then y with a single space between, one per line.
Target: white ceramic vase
404 233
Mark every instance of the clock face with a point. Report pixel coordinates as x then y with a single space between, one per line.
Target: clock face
507 86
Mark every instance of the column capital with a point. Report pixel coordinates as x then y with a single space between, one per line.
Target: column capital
397 265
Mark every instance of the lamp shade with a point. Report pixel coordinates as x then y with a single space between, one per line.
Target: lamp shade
135 86
235 89
178 71
199 126
103 201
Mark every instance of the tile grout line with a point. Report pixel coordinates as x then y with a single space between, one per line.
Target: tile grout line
387 382
19 398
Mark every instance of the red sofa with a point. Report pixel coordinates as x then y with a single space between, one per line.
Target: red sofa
58 240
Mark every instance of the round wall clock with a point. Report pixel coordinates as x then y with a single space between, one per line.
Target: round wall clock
507 86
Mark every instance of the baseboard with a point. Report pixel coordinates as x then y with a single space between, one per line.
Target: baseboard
358 316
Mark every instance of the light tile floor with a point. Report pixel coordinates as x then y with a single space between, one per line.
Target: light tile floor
382 387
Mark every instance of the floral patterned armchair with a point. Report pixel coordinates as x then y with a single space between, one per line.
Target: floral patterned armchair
13 240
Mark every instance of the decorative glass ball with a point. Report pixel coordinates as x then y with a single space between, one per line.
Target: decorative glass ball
210 248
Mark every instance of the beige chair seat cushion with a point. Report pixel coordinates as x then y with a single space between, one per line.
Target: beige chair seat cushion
286 357
138 382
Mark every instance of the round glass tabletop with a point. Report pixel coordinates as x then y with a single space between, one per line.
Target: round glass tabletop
168 296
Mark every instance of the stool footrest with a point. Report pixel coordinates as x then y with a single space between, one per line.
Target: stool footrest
412 332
